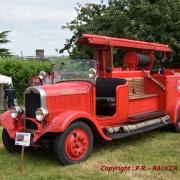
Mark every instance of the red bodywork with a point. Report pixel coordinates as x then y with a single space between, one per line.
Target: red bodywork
68 102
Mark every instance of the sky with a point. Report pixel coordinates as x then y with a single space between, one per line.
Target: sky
36 24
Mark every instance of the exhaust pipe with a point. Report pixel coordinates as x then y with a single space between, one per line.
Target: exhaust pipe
133 127
113 129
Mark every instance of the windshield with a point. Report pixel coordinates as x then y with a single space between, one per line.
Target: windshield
73 70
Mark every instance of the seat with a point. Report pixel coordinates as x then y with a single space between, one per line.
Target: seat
106 101
106 91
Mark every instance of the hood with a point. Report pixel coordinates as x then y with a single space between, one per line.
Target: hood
49 97
67 88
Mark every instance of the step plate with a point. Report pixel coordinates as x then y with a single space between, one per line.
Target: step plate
150 115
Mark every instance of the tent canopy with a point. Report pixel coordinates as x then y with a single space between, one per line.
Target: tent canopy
5 79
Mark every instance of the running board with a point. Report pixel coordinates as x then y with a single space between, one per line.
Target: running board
146 116
138 131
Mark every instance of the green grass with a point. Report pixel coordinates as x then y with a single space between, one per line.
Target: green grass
154 148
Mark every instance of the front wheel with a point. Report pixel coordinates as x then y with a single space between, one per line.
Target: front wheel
9 143
74 144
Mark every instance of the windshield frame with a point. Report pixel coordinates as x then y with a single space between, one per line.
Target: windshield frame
63 71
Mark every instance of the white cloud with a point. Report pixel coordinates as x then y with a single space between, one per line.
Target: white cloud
23 13
37 23
39 10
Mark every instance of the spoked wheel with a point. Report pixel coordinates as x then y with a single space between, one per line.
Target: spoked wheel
75 144
9 143
176 127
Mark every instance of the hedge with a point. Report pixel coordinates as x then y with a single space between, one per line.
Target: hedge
21 72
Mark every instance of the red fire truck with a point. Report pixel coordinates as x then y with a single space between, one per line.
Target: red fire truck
87 99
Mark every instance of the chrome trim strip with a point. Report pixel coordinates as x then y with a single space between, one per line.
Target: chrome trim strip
43 96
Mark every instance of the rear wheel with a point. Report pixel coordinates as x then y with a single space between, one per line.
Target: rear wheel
176 126
75 144
9 143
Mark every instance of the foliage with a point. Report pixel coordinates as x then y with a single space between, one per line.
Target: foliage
147 20
21 71
3 40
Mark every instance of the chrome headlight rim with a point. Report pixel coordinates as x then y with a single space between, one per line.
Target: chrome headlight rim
16 111
41 113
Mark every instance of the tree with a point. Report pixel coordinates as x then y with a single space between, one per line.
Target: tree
147 20
3 40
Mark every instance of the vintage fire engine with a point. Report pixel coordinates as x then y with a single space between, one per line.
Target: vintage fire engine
87 99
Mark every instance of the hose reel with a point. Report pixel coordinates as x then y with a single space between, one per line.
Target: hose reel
134 60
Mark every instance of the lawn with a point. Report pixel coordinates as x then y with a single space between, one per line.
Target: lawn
151 149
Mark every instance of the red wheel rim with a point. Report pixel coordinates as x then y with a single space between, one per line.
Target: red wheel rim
77 144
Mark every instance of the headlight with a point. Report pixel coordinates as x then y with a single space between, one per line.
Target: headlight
42 75
92 73
16 111
41 114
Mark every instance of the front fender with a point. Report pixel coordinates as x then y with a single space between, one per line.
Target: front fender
7 120
8 123
64 119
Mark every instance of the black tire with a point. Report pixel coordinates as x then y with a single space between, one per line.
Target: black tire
176 126
61 141
9 143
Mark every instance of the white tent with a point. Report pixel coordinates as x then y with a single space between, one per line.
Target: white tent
5 79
